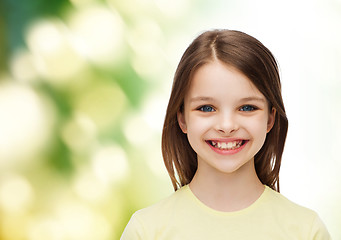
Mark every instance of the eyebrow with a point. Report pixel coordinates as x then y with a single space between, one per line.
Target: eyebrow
246 99
201 98
259 99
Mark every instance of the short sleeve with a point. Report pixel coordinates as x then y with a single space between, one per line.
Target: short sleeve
134 230
319 230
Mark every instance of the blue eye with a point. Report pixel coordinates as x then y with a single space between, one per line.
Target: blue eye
206 108
247 108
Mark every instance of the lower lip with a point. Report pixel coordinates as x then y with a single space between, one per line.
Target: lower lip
225 151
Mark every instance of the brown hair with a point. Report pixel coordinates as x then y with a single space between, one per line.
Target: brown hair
255 61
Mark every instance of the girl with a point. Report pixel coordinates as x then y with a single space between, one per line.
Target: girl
222 144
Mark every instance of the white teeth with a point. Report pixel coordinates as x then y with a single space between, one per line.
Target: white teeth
227 145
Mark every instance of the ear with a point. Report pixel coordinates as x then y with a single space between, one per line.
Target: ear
182 122
271 119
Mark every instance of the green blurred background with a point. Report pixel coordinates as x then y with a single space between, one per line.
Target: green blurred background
84 86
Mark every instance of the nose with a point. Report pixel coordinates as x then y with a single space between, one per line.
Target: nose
226 123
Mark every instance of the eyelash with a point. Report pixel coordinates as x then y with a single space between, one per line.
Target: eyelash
253 108
201 108
250 107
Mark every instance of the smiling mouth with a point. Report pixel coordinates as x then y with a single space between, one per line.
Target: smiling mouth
227 145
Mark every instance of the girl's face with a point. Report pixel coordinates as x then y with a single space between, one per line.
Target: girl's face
225 117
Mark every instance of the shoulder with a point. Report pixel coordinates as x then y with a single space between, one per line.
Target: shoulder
159 209
295 216
278 202
145 222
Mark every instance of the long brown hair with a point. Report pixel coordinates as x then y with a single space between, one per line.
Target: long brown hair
255 61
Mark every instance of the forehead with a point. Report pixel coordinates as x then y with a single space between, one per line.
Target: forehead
218 80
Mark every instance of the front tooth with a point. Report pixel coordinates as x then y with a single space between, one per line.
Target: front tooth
227 145
222 145
235 144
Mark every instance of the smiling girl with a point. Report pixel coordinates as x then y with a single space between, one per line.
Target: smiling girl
222 144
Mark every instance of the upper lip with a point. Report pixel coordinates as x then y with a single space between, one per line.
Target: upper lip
226 140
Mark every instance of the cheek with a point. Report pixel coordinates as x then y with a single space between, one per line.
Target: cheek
197 127
256 125
198 124
259 127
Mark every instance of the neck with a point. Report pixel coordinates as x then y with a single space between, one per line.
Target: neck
227 191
